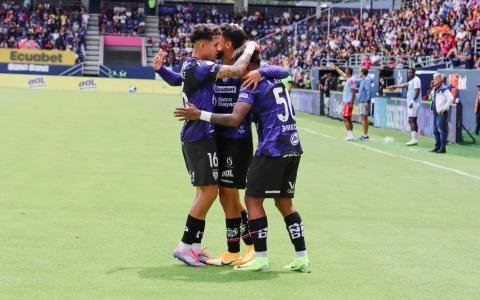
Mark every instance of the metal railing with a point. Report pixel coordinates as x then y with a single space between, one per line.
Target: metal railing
102 69
75 70
476 43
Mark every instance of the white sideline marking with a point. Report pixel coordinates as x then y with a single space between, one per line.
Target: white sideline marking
424 162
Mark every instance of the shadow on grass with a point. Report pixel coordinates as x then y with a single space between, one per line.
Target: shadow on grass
208 274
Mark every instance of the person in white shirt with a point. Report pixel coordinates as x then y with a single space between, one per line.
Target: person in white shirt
414 101
442 99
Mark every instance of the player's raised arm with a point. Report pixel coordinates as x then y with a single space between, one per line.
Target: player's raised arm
170 77
192 113
252 78
338 70
240 66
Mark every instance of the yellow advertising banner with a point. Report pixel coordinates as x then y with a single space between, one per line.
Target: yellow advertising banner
87 84
40 57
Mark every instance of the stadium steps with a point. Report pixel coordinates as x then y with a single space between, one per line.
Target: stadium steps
92 55
151 30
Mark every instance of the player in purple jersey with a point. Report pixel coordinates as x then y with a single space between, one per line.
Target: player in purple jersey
273 170
199 74
234 145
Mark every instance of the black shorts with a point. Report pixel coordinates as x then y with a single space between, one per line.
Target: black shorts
273 177
234 157
201 160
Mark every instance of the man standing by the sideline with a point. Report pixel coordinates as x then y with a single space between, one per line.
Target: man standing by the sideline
442 99
414 101
364 100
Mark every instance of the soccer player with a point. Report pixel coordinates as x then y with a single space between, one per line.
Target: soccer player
364 100
234 145
273 170
414 101
349 92
199 74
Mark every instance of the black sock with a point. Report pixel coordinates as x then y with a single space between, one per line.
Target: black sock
258 232
233 234
245 229
295 231
193 230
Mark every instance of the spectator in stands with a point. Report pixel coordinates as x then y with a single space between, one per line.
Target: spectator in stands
442 99
43 26
122 20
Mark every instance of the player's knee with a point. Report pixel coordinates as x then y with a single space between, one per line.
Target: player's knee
208 192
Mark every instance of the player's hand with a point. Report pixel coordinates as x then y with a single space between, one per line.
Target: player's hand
390 87
331 65
158 60
191 112
365 105
253 45
251 79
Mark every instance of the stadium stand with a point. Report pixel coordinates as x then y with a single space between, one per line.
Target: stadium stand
421 33
43 26
122 20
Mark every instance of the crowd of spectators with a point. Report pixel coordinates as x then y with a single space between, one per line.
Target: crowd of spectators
444 30
43 26
440 29
120 20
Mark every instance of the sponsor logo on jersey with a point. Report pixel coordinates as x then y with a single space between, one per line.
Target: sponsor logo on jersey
289 127
227 173
291 190
294 139
228 89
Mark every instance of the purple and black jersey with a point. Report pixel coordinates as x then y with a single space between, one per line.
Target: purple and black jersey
198 78
276 127
225 96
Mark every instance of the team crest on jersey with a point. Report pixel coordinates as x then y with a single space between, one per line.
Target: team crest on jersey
215 174
214 100
294 139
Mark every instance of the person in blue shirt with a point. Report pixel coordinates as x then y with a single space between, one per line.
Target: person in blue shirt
364 100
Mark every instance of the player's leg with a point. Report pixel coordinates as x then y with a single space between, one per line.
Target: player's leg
365 113
233 222
477 128
243 155
258 231
263 179
228 197
292 218
347 119
204 176
413 109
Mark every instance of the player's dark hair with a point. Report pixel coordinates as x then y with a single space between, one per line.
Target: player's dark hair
255 59
349 71
234 34
364 71
204 32
412 70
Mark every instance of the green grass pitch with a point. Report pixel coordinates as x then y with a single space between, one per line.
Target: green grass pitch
94 195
